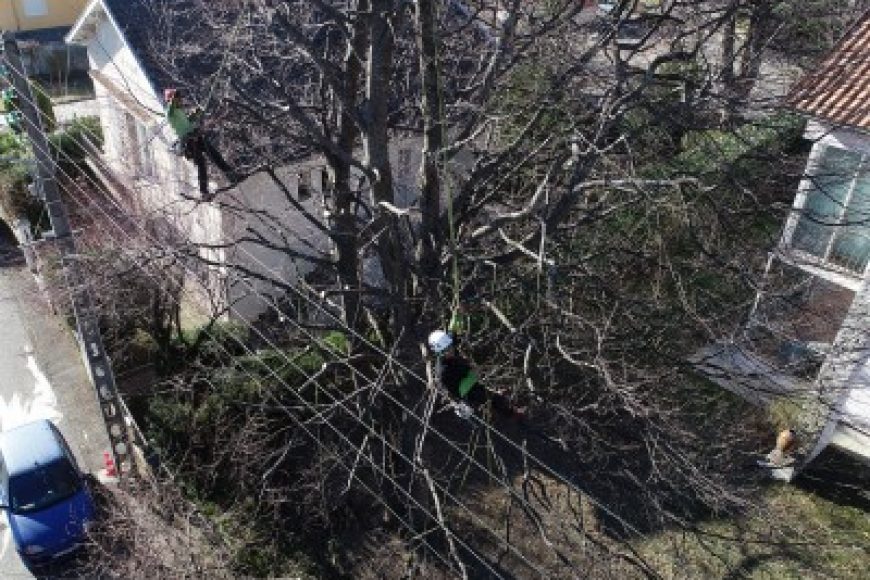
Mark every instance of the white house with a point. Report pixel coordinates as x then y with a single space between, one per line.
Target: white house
809 333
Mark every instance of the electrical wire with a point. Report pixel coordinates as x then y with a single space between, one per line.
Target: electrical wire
370 428
536 460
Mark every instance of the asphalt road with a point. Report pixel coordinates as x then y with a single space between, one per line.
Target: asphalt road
41 376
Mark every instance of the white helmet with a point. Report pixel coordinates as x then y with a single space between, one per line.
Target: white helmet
439 341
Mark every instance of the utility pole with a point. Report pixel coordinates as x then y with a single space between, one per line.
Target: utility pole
87 325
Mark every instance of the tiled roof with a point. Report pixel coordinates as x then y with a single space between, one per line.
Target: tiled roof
838 90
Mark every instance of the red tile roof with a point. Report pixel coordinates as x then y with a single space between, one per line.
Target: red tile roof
838 90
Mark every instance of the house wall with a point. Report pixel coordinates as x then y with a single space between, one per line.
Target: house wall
20 15
137 147
844 380
844 384
282 225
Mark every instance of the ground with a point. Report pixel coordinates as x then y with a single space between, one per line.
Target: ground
817 527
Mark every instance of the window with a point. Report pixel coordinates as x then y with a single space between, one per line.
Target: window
144 150
326 184
303 187
35 8
833 226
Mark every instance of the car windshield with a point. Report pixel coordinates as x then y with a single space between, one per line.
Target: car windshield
42 487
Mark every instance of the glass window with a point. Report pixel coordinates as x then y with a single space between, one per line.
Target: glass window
303 185
35 8
144 150
44 486
834 222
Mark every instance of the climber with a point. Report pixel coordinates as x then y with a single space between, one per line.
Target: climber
193 143
457 378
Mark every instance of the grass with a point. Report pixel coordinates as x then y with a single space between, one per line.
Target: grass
806 530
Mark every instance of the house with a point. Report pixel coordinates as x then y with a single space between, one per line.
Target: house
809 334
138 166
40 27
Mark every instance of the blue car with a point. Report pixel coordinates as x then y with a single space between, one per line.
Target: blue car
43 491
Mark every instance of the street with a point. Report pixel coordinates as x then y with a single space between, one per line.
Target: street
41 376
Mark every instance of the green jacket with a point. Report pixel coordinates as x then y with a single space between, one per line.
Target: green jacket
179 121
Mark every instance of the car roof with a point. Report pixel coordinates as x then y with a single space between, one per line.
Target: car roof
28 445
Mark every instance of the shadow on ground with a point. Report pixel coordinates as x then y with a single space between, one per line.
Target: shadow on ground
10 253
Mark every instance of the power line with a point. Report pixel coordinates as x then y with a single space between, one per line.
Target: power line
340 434
391 358
371 430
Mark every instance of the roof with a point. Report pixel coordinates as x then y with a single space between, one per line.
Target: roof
144 26
135 19
838 89
27 445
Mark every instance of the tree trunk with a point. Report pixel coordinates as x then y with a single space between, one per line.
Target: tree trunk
377 150
346 230
729 34
431 238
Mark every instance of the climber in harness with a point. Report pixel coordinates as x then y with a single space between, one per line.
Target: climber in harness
456 376
193 143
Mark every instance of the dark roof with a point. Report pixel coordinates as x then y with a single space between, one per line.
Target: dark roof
29 445
838 90
43 35
136 20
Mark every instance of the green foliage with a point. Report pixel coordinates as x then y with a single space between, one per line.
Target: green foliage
337 341
141 348
44 105
15 199
68 142
810 27
708 151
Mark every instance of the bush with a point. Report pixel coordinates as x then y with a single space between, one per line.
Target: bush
15 199
68 143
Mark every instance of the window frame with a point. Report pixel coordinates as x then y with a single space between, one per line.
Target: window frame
34 8
820 264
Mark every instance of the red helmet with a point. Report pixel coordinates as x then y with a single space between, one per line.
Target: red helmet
169 94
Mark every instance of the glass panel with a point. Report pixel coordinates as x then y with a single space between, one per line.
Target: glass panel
852 240
43 486
797 319
35 8
824 203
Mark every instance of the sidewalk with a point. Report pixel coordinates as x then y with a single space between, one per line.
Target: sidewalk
41 371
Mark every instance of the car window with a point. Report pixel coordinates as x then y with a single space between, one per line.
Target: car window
42 487
3 482
65 446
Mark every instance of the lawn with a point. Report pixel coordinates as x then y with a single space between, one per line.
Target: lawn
817 527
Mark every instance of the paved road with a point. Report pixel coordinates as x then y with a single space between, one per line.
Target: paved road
41 376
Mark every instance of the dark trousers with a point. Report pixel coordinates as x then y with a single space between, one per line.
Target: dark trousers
479 395
196 148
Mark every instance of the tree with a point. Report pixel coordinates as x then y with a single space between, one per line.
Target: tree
578 185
